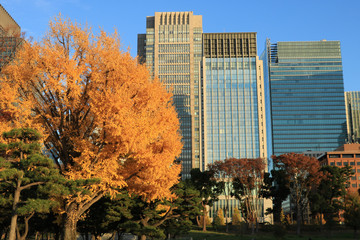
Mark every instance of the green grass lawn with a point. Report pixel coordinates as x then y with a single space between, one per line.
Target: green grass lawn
211 235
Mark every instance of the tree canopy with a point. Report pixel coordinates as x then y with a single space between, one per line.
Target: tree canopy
101 114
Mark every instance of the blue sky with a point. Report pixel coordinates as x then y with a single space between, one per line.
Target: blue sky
279 20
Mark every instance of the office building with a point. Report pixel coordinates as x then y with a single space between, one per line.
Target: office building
346 155
304 84
172 50
233 103
352 103
9 36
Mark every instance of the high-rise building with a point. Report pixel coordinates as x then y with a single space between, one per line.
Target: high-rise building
352 103
172 50
233 103
306 96
9 36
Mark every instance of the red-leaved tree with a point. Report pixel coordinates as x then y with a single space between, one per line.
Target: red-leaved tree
303 173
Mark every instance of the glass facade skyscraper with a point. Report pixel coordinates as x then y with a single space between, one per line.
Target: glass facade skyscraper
306 89
233 103
234 111
352 101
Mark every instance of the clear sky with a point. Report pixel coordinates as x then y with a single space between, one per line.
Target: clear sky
279 20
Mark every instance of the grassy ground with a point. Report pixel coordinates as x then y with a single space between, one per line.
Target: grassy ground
212 235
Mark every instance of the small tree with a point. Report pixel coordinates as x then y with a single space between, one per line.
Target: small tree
22 169
277 188
303 174
352 212
223 174
209 190
219 219
236 217
328 198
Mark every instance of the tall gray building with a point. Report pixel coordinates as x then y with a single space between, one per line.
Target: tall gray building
172 50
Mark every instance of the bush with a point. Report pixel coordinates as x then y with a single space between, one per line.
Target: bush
236 218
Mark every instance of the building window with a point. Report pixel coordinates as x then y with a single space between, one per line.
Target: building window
357 155
348 155
346 163
358 170
332 164
334 155
352 163
339 164
353 185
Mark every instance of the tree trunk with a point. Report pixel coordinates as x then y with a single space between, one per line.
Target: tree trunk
143 237
69 226
298 219
14 215
204 218
226 213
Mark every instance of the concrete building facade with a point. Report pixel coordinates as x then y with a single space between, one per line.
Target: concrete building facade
172 50
9 36
352 103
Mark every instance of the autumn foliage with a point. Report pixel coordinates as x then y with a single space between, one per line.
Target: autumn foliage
303 174
101 115
243 179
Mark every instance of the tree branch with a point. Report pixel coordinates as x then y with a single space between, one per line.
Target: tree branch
31 185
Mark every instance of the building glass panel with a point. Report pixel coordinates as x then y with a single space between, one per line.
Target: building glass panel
305 88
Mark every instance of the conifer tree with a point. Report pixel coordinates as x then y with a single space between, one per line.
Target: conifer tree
23 168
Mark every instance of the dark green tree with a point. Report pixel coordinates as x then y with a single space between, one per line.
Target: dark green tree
23 169
188 204
352 212
328 198
276 188
208 187
107 215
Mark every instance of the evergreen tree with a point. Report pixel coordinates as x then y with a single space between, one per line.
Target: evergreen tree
23 169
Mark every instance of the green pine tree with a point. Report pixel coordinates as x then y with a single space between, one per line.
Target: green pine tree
26 177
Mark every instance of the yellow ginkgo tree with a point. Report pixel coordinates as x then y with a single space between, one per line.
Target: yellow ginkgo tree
101 114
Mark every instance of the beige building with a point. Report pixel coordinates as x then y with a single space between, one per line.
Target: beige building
9 36
8 26
172 50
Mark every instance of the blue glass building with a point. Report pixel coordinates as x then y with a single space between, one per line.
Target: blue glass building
233 102
306 89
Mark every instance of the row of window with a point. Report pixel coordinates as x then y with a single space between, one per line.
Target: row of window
345 156
174 48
